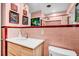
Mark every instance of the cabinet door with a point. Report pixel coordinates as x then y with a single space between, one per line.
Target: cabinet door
38 51
14 49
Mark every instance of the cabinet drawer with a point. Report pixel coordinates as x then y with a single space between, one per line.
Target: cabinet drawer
14 46
16 52
14 49
9 54
26 53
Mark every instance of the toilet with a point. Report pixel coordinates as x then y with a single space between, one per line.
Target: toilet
57 51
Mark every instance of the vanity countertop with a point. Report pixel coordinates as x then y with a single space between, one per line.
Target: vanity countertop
27 42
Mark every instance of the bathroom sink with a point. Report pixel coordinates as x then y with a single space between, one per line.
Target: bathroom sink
27 42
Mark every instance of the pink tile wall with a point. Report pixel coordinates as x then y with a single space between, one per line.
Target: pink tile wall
32 32
66 37
13 32
63 37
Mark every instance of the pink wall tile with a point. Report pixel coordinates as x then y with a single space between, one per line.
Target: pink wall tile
13 32
66 37
32 32
63 37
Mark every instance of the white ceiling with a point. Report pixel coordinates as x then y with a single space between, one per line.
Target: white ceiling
55 7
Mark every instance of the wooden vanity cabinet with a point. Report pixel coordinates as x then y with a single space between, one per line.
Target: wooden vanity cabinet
14 49
18 50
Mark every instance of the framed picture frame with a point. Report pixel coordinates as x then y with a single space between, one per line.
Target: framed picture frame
25 20
36 21
77 12
13 17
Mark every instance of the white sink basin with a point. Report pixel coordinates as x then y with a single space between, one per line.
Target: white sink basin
28 42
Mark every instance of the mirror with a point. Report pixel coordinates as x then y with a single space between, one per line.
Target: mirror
77 12
53 13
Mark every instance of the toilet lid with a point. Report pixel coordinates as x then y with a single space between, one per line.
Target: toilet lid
62 51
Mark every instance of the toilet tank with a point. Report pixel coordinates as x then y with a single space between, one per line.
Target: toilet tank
57 51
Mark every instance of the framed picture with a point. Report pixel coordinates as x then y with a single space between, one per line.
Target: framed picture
25 20
14 7
35 22
13 17
77 12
